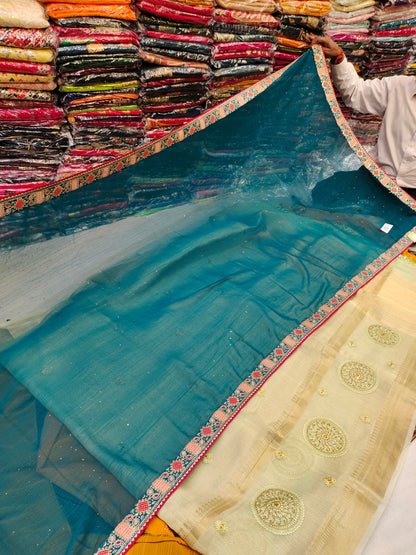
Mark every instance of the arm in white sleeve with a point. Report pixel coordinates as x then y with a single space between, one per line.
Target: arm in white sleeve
367 96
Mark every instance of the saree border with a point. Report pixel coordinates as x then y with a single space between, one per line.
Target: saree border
133 524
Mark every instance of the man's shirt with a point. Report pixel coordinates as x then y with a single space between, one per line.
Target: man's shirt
394 98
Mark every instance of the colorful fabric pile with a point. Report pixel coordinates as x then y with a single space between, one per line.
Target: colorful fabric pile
242 51
175 50
366 127
297 19
393 30
31 124
348 24
98 79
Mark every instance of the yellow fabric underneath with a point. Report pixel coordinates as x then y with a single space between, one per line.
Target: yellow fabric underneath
158 539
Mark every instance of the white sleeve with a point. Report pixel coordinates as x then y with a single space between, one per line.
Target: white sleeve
368 96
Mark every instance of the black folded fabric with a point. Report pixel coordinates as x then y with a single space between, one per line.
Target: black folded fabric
71 63
167 89
234 62
181 54
167 72
95 22
69 97
240 71
306 21
91 50
97 78
150 42
293 32
242 28
155 23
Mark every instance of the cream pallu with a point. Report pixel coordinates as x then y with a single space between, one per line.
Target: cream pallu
305 467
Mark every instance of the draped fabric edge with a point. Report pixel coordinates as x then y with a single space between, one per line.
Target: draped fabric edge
39 195
135 522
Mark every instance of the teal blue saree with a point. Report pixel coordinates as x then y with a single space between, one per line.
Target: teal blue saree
162 290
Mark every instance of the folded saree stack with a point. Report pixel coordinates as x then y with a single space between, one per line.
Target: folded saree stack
31 139
242 52
393 29
175 52
297 19
98 79
348 24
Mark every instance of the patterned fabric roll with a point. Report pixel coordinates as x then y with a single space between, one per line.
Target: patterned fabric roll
25 94
177 6
151 42
49 113
175 15
41 55
25 67
162 60
31 86
60 10
8 77
315 8
25 38
235 16
265 6
177 37
180 54
310 22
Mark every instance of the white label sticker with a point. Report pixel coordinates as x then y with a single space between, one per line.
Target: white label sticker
386 228
412 236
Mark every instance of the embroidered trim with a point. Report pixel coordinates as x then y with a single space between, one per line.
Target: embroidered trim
279 511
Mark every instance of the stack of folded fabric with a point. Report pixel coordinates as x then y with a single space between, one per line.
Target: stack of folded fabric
366 127
31 124
393 30
175 52
348 24
242 52
297 19
98 79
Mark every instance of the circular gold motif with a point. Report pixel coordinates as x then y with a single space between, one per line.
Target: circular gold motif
278 510
383 335
326 437
297 459
358 376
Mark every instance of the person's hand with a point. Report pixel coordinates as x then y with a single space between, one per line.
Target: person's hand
329 46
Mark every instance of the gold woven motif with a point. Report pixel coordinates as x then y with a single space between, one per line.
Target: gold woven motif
326 437
358 376
278 510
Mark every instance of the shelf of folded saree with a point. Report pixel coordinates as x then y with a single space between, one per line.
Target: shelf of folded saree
348 24
243 45
297 19
32 134
393 32
175 48
97 62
